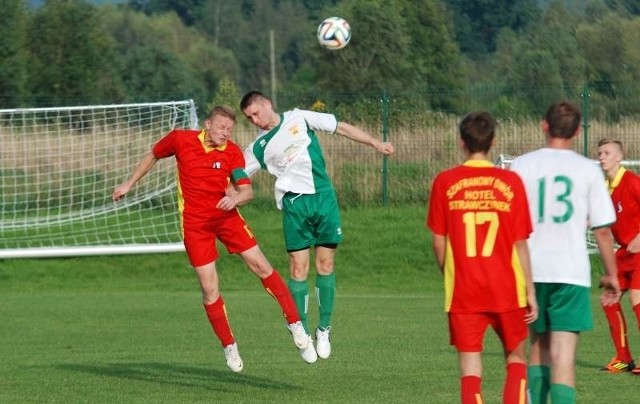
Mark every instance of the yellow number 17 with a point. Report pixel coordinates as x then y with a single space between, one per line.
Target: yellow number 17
473 219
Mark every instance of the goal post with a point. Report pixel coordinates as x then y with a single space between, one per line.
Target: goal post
58 169
504 161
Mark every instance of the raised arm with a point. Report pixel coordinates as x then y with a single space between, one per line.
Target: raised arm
145 164
358 135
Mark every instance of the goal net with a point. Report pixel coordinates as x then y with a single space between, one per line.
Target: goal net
504 161
58 169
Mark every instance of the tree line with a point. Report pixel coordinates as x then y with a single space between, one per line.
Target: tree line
508 56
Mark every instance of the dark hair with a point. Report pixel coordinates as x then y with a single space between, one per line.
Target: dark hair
251 97
477 131
222 110
563 118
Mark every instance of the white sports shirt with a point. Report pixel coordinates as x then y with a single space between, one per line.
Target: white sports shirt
566 193
291 153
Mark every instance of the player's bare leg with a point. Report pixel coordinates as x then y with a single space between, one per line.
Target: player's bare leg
562 349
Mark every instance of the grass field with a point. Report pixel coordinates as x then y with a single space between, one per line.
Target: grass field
131 329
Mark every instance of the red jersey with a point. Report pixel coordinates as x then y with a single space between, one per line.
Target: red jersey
482 211
203 173
625 194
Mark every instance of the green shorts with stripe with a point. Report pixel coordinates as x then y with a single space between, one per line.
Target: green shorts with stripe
563 307
310 220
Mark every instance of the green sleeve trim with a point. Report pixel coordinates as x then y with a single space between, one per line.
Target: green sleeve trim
601 226
238 174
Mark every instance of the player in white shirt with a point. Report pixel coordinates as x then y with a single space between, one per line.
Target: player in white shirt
567 194
287 147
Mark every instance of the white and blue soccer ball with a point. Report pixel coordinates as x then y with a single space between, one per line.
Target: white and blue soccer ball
334 33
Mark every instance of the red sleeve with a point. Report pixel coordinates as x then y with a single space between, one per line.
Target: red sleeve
165 147
437 217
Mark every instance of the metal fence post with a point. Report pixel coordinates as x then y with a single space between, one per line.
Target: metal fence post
585 119
385 136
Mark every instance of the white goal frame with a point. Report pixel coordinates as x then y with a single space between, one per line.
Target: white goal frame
504 161
80 154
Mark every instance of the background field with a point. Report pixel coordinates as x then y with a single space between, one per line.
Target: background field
130 329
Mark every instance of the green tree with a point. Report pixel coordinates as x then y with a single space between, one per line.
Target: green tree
556 34
244 27
188 10
227 94
71 55
13 55
631 7
478 22
536 81
614 65
434 55
160 58
396 46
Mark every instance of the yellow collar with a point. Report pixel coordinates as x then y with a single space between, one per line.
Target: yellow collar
616 180
477 163
207 148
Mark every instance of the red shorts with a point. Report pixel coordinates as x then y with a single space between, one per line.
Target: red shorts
466 330
628 270
231 230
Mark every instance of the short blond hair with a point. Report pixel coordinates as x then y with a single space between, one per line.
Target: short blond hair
222 110
605 141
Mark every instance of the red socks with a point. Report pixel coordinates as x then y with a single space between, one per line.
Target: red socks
515 385
217 315
471 390
618 330
274 286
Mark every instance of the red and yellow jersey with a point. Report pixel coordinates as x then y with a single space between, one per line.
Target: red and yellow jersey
625 195
203 173
481 211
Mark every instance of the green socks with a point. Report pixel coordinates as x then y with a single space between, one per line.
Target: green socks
326 293
563 394
539 381
300 293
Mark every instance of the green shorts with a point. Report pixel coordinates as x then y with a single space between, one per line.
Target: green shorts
563 307
311 219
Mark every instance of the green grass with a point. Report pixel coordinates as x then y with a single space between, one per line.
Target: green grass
131 329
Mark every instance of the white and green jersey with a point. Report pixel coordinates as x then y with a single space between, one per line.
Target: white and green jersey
566 193
291 153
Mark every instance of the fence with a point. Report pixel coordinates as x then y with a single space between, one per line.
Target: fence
425 137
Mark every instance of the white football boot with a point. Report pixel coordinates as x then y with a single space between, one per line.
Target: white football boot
323 342
232 356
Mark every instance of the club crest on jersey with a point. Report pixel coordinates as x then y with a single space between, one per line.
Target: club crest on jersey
294 130
217 165
262 143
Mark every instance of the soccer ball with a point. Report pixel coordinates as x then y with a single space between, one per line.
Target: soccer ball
334 33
